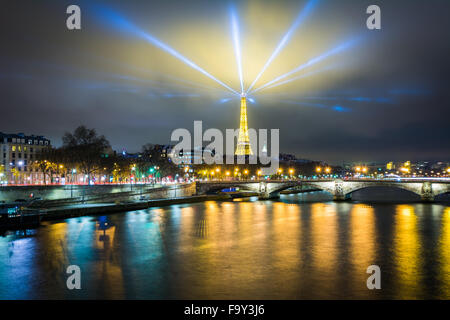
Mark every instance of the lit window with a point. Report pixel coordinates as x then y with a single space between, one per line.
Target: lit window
13 148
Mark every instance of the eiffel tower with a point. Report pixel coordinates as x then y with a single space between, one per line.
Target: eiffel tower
243 147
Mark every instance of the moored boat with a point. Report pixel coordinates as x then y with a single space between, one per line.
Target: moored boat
13 216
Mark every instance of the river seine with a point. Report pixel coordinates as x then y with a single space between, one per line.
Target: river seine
302 246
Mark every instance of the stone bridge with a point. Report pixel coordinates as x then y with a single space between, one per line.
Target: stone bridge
340 189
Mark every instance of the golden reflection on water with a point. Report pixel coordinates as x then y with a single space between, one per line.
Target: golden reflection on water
55 255
444 248
362 242
407 252
285 243
286 236
109 272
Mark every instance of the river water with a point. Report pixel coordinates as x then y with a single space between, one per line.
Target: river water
302 246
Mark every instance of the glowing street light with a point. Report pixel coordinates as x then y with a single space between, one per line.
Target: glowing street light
404 170
327 169
318 169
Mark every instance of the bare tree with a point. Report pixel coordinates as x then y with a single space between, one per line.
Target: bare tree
85 149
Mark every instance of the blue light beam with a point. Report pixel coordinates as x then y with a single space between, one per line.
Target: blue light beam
337 108
237 45
334 51
299 77
116 20
302 16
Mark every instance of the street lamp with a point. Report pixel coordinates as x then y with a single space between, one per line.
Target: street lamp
20 164
291 172
133 168
280 171
71 185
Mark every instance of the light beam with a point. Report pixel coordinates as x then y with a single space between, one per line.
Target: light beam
119 22
303 14
337 108
298 77
311 62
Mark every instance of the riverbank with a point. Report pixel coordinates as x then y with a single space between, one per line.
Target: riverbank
78 210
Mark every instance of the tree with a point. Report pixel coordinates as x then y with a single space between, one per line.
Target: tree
2 174
85 149
152 157
47 162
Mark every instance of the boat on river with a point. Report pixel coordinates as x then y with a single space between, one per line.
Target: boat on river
15 215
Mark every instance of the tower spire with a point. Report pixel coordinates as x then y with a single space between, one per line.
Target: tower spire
243 145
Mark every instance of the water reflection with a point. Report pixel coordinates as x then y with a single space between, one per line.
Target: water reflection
324 247
444 248
363 243
109 271
285 249
407 251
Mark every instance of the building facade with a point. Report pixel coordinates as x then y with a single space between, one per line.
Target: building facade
17 154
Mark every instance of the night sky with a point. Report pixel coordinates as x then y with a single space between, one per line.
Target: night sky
384 97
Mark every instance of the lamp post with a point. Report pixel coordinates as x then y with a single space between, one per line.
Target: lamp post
20 165
133 169
71 185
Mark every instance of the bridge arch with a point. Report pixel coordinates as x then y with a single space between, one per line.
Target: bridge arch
397 186
216 189
278 189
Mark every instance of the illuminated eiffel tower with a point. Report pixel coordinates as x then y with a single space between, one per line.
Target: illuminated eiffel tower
243 145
